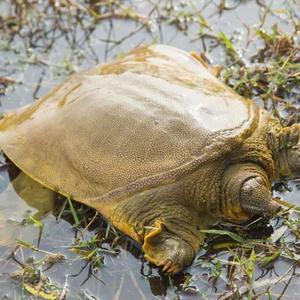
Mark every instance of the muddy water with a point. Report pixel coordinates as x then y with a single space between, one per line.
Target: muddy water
37 62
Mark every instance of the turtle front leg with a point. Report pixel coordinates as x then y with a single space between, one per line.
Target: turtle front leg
247 192
168 231
167 250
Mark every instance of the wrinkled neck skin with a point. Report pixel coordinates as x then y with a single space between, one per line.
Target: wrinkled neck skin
283 166
258 148
287 151
203 187
270 153
293 158
278 147
207 188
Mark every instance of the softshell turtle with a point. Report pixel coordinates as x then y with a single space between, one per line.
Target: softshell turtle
152 141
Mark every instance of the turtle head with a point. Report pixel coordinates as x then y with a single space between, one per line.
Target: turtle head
289 151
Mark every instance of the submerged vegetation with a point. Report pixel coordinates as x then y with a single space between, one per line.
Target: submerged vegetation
272 74
43 41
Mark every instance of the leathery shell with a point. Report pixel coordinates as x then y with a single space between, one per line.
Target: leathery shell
143 120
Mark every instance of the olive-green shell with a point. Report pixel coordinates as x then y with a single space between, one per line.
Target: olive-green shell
141 121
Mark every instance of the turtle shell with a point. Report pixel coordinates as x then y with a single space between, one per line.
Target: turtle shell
143 120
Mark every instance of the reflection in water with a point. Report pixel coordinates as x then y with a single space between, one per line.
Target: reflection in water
35 195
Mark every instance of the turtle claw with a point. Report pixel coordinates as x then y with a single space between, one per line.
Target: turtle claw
167 251
175 269
167 264
170 267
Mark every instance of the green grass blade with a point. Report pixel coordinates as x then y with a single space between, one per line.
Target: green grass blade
232 235
76 219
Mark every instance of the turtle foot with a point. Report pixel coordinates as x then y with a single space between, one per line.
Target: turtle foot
167 250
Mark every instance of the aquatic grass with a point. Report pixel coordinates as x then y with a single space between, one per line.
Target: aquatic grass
74 213
32 278
229 46
50 258
247 253
37 223
249 270
272 74
267 262
232 235
92 250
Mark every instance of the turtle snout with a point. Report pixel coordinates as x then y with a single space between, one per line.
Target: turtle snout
267 208
256 198
272 208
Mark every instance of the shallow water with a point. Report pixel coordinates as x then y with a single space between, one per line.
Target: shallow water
37 61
